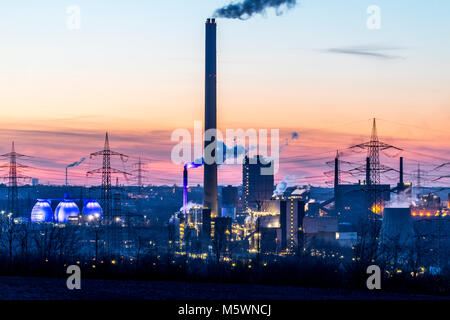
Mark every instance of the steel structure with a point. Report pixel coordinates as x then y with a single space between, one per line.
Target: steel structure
13 177
374 168
106 172
139 173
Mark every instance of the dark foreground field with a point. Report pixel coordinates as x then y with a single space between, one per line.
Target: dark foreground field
21 288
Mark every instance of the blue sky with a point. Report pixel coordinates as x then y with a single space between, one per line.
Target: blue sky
136 66
159 44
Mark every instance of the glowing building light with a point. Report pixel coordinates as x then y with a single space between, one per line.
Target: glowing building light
65 210
42 212
92 208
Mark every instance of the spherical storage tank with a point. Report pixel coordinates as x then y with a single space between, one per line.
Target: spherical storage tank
66 209
92 209
42 211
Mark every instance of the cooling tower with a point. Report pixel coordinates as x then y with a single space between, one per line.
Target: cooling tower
210 199
397 227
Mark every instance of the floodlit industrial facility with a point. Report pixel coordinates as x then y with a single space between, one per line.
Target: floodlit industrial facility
366 219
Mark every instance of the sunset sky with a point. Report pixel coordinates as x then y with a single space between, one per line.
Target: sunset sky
136 69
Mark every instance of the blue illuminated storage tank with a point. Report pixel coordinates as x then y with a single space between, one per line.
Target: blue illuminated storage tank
65 209
92 209
42 211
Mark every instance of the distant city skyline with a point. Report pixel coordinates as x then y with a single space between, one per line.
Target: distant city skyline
136 71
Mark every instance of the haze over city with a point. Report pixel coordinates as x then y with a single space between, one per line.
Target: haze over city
136 71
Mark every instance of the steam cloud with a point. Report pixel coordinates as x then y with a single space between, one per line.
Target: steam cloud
234 152
189 206
247 8
402 200
283 185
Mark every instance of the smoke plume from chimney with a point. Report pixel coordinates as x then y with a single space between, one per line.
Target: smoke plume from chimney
76 163
247 8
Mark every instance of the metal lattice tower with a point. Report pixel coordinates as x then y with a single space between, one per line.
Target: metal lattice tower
139 170
117 197
106 172
140 173
373 152
13 177
374 146
419 176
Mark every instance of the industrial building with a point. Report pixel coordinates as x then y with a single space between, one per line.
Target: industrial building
277 229
66 211
292 212
320 230
352 200
257 187
229 201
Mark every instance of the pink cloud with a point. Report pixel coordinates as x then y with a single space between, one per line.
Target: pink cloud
305 158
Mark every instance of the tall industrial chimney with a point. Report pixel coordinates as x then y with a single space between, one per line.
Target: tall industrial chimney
210 199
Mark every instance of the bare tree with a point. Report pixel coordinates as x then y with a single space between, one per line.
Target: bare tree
366 249
9 236
45 240
24 240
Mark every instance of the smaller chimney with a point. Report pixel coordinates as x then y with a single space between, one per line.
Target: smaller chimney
336 170
185 185
368 182
401 171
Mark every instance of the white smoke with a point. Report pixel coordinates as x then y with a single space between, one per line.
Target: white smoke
189 206
283 185
401 200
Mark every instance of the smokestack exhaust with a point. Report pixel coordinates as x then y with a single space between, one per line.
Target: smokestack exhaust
210 197
248 8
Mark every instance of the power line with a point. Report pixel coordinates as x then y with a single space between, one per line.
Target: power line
106 170
13 176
